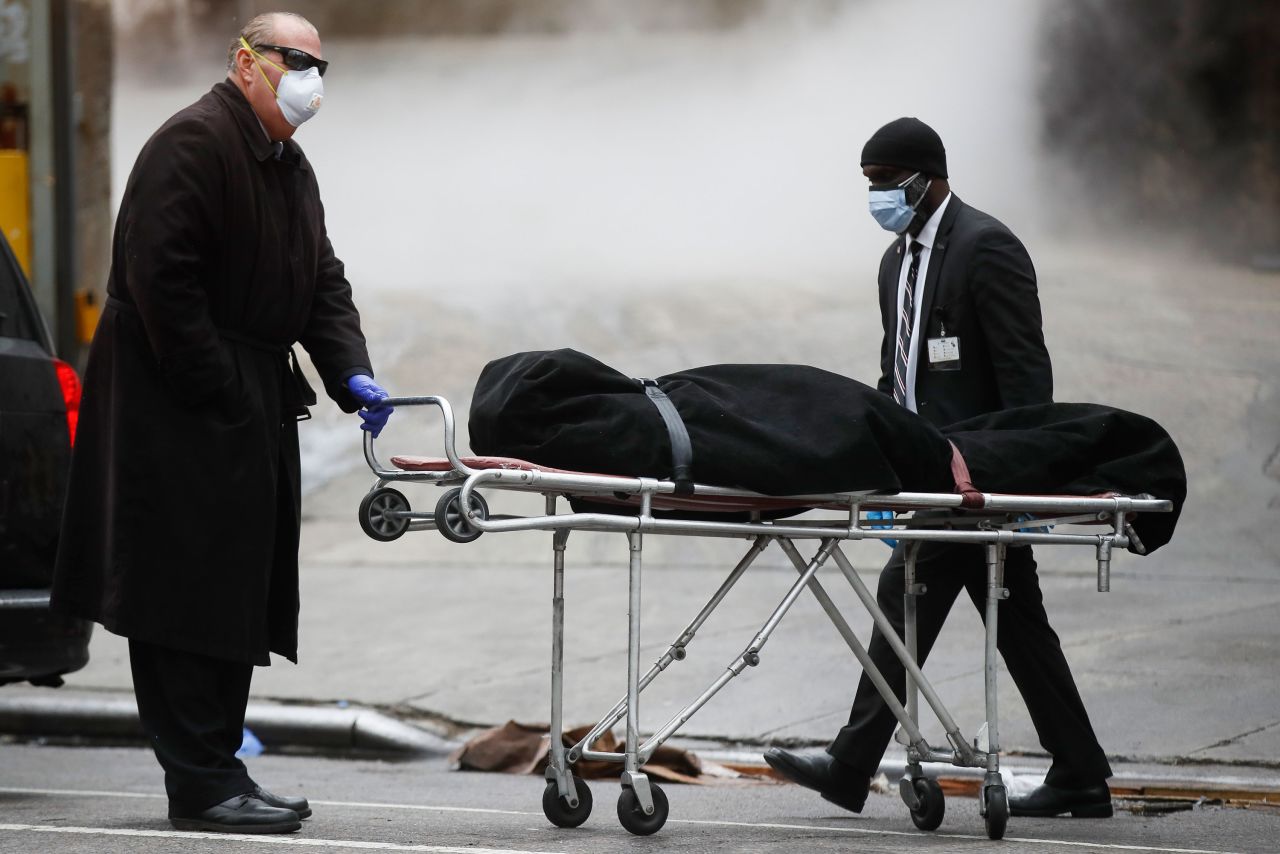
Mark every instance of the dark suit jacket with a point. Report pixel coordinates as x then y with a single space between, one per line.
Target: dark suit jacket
981 284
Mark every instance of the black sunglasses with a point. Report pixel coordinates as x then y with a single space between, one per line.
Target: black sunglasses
298 60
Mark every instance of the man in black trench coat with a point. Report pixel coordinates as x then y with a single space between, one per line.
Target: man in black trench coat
181 524
962 337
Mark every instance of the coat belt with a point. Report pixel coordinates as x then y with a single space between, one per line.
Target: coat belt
296 398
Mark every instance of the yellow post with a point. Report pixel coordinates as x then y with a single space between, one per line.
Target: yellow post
15 214
88 313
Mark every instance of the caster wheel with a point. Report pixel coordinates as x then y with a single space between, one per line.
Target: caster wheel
997 816
632 817
928 816
374 520
557 809
452 523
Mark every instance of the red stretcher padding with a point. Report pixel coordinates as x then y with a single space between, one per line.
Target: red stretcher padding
696 503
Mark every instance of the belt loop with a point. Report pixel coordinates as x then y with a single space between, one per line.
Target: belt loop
308 393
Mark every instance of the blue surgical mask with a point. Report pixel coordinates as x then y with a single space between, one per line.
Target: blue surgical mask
890 207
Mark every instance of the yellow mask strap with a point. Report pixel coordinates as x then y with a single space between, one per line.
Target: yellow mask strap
249 48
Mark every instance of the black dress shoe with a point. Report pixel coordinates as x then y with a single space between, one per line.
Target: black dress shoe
241 814
298 804
1043 801
835 781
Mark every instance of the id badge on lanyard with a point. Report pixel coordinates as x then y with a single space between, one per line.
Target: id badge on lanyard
944 350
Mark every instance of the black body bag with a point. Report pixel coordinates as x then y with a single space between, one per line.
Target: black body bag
794 429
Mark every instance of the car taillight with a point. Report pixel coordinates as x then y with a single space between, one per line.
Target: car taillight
70 394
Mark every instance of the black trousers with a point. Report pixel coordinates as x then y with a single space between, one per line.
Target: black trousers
1027 643
192 710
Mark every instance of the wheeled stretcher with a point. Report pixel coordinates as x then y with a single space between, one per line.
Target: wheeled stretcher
634 506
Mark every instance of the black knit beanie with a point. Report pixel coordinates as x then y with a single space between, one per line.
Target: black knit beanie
907 143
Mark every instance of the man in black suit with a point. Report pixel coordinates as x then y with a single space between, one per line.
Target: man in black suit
962 337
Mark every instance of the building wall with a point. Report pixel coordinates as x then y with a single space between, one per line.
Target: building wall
1168 112
94 50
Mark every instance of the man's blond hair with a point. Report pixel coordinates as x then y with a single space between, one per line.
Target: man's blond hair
260 30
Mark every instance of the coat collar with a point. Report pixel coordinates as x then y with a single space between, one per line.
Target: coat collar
251 127
948 220
943 231
937 258
929 233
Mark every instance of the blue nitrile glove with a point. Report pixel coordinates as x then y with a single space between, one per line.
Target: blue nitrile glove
249 745
375 414
883 514
1027 517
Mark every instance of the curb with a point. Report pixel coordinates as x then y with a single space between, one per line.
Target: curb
327 728
356 729
1143 786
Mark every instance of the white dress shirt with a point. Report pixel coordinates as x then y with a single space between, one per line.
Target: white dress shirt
925 239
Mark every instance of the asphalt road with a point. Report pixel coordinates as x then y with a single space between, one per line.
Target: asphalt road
106 800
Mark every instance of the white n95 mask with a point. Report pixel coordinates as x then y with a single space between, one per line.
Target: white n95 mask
299 94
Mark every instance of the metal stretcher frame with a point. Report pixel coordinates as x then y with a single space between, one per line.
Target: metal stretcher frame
462 515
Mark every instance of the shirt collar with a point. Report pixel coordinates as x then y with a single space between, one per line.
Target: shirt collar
930 230
277 147
254 132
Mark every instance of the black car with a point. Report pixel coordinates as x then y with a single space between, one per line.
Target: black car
39 404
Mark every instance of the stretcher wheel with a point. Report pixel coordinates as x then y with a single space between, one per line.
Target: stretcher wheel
449 518
997 816
558 811
631 814
374 520
928 815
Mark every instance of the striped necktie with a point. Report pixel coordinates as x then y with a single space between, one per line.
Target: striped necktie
905 323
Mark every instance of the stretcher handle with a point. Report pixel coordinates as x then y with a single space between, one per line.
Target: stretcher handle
446 414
